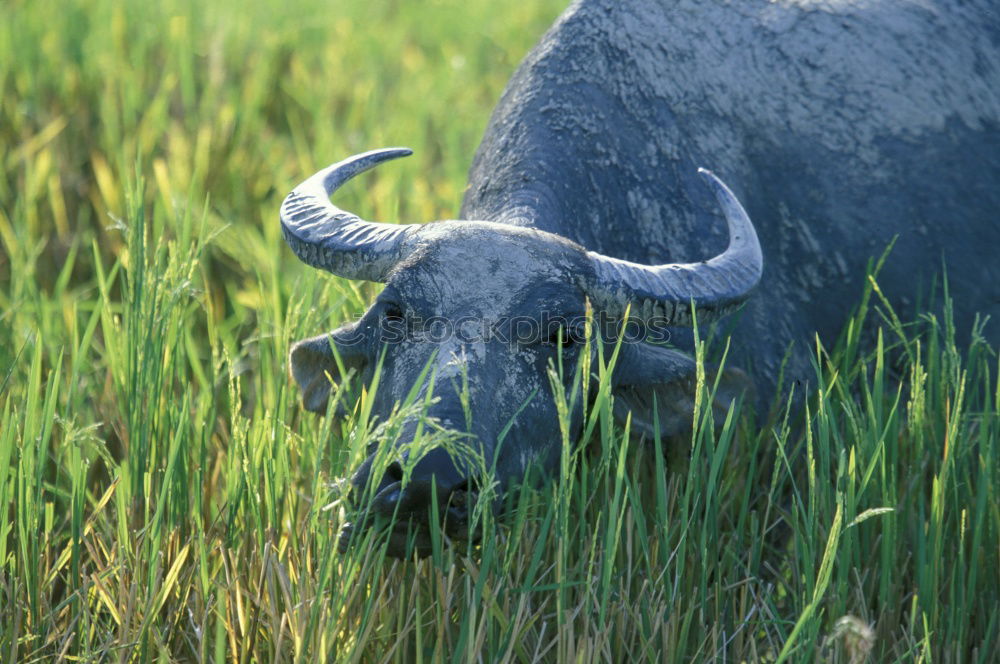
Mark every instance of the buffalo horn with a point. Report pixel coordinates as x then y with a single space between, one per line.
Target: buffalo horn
666 292
326 237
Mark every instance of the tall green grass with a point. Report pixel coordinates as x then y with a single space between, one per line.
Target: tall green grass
164 498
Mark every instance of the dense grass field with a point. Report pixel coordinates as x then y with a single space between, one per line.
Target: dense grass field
164 498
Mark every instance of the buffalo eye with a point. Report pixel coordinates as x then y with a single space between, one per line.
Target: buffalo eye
393 313
563 335
558 336
393 328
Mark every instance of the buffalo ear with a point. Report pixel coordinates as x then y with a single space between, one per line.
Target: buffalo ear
649 374
314 368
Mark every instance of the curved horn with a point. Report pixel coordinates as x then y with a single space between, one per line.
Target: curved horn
717 286
324 236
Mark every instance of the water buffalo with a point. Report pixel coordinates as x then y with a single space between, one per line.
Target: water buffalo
840 124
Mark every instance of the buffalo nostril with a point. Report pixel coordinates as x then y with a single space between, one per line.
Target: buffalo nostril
460 505
463 495
394 472
459 498
462 500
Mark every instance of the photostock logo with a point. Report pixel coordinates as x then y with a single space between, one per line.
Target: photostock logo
521 330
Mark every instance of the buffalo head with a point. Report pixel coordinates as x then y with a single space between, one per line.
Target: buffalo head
472 316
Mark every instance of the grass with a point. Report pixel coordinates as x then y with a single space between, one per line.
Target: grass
164 498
